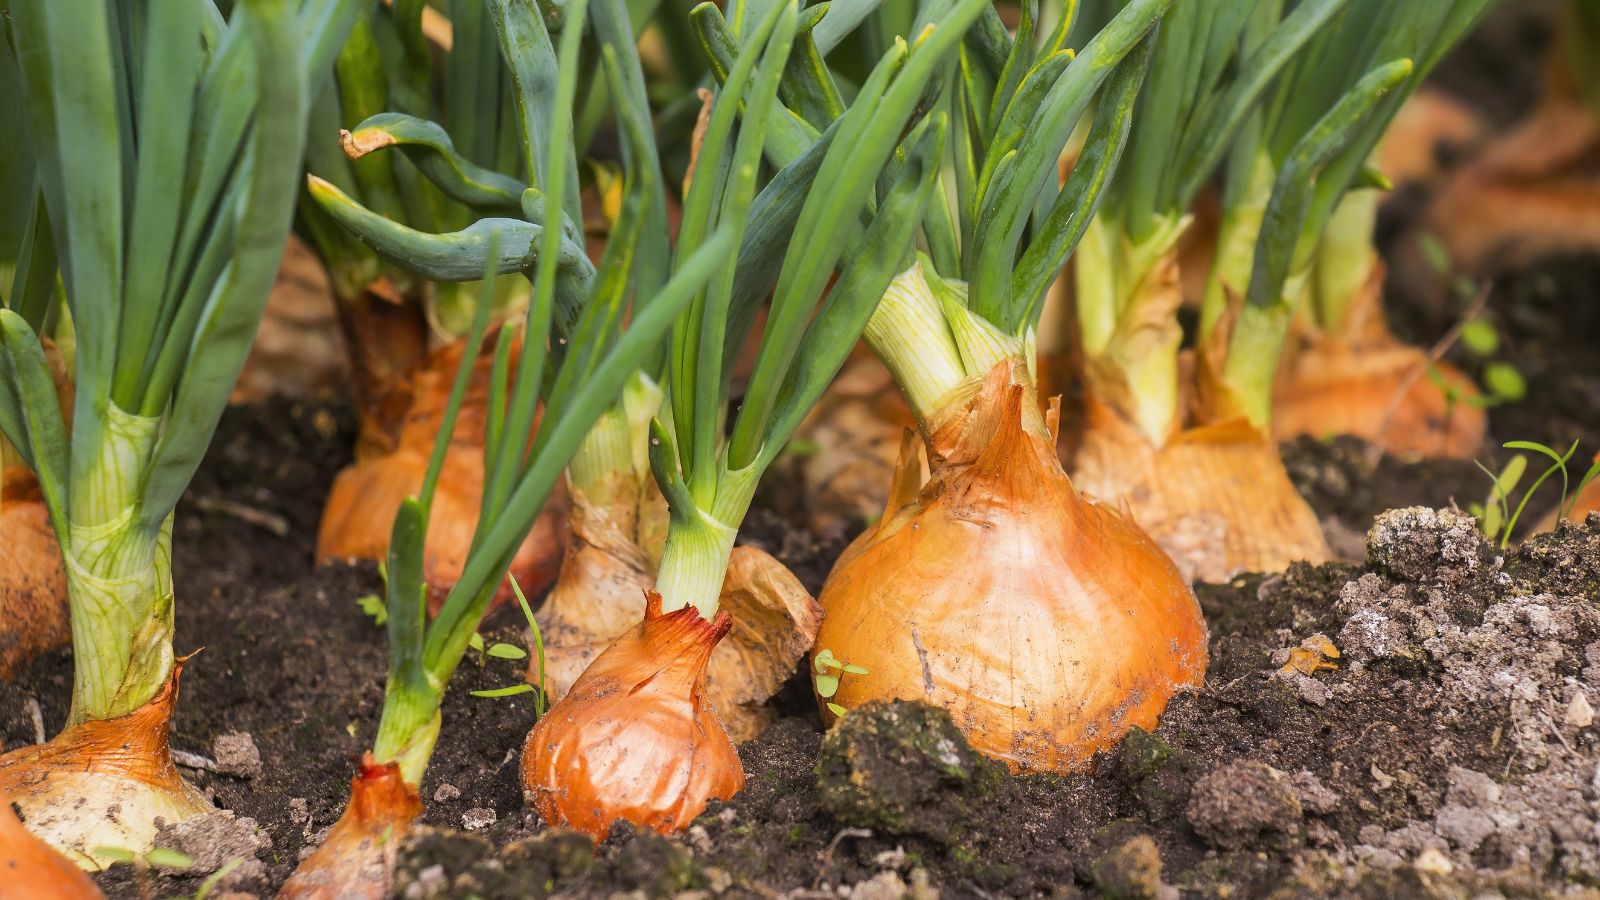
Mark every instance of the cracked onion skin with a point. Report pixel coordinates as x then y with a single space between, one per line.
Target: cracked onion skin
357 860
33 586
636 737
31 869
1046 623
359 514
1362 380
103 783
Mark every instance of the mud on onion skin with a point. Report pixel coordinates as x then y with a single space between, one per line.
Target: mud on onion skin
636 737
34 869
1048 624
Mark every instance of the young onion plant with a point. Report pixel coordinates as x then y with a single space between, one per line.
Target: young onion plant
575 360
1208 486
1046 623
636 737
405 333
167 144
1344 372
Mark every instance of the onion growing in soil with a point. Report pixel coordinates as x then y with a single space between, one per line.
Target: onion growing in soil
164 285
635 738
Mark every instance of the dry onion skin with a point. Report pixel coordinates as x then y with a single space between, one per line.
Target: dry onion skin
103 783
360 510
356 861
636 737
1361 380
1047 624
33 585
33 869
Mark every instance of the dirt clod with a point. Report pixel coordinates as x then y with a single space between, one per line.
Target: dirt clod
236 754
1242 800
211 840
904 768
1132 871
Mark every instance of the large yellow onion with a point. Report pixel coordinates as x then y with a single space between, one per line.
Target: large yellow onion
356 861
1361 380
359 515
636 738
33 587
31 869
103 783
1046 623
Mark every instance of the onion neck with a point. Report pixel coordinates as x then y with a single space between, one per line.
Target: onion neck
617 444
1245 209
700 543
1344 260
119 575
1243 384
409 728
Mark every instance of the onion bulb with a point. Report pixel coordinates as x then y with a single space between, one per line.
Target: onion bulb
613 551
1046 623
34 869
1361 380
33 586
636 737
356 861
103 783
360 511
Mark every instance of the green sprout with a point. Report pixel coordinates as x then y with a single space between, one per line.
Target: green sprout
828 672
1499 519
511 651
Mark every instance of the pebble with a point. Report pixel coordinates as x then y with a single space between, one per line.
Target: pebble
478 818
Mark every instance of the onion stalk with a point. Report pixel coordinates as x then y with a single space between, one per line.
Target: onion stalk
575 361
1343 372
637 738
171 216
978 589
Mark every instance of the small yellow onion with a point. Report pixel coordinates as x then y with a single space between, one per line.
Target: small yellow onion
360 510
33 587
636 737
103 783
1361 380
613 550
30 869
357 860
1046 623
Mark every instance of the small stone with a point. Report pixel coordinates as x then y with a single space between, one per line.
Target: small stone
299 811
1432 862
718 880
236 754
882 886
1579 713
478 818
1315 797
1131 871
1382 779
446 792
698 838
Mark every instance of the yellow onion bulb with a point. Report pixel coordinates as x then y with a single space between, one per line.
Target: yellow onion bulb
359 514
1361 380
1216 497
357 860
636 738
33 586
33 869
1046 623
103 783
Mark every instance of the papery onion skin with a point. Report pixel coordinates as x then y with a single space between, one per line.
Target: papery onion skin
357 860
33 587
1215 497
1361 380
359 514
1047 624
103 783
30 869
636 737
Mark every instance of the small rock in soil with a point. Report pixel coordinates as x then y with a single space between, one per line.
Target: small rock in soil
446 793
236 754
1132 871
1241 801
478 818
904 768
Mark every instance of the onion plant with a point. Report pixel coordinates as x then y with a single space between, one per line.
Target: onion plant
636 738
167 143
1345 372
575 360
1046 623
